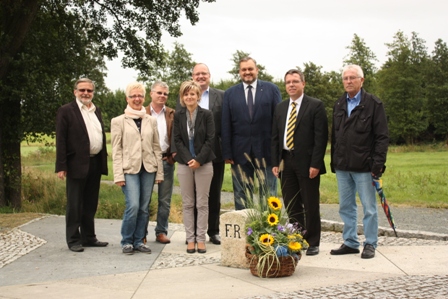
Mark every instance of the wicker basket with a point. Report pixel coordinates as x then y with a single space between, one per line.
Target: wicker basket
285 266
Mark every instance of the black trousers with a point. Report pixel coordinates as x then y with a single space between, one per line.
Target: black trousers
301 198
214 198
82 203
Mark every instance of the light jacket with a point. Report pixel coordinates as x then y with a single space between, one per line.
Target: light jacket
132 149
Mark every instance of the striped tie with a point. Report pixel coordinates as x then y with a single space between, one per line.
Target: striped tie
291 127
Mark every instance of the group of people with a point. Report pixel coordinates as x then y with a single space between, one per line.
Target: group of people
247 126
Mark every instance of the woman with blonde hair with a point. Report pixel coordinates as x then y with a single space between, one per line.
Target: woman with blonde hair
137 162
193 135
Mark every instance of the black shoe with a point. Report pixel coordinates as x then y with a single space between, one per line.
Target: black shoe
95 244
215 239
76 248
344 249
312 250
368 252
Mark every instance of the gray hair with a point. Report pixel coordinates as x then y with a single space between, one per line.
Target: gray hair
354 67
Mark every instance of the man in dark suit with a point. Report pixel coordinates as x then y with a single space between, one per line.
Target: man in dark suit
81 157
212 100
247 112
299 141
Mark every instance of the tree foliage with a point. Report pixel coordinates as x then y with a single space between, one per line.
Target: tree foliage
437 89
402 87
360 54
46 45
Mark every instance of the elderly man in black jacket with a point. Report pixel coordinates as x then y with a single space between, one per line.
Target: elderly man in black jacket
359 143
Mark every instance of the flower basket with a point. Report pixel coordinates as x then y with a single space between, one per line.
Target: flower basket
284 266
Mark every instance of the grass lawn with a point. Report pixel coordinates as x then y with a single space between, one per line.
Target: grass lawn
415 176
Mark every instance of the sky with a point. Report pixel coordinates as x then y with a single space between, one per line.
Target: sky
284 34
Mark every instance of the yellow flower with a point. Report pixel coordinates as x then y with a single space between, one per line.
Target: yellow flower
274 203
291 237
266 239
295 246
272 219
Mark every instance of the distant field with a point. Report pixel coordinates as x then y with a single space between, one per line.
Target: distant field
415 176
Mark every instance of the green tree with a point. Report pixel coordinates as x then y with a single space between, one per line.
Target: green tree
236 57
360 54
437 89
322 85
46 45
401 87
112 104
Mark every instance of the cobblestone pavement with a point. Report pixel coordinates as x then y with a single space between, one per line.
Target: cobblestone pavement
16 243
414 286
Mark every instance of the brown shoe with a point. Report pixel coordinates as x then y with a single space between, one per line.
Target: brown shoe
162 238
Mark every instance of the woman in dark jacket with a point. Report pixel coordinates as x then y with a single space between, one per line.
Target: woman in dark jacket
193 135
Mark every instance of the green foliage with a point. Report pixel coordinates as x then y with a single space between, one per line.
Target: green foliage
401 87
437 89
112 104
361 55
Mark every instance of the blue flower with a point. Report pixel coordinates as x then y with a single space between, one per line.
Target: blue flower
249 231
281 228
281 251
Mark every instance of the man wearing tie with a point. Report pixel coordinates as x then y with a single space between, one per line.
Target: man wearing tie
247 112
299 140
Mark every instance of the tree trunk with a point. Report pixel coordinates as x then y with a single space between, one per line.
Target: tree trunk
10 152
2 181
16 17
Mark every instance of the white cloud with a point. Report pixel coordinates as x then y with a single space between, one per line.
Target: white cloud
286 33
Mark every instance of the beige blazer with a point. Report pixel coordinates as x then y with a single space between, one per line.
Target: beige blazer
131 150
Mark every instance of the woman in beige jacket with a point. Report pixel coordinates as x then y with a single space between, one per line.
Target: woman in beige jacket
137 163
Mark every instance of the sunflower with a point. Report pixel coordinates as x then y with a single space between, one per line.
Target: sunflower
295 246
272 219
274 203
267 239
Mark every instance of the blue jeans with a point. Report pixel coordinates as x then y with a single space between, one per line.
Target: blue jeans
137 192
348 184
165 192
243 187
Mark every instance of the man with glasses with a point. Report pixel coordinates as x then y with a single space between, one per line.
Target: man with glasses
247 114
165 117
359 143
81 157
299 142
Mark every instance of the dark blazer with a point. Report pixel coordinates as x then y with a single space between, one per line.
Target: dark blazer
240 134
204 133
73 144
310 135
215 97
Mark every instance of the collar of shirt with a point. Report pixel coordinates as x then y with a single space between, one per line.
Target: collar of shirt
298 101
254 88
353 102
161 111
81 105
205 100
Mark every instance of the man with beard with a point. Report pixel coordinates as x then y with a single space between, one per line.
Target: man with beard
81 157
247 114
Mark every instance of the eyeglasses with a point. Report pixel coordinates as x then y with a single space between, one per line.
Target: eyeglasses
349 78
137 96
294 82
84 90
161 93
200 74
